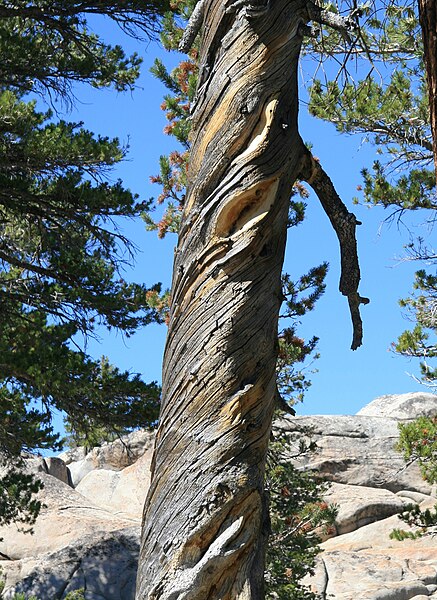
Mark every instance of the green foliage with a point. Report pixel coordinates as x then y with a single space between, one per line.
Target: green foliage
114 404
59 251
49 45
424 520
22 596
386 101
181 84
76 595
17 498
38 364
420 342
411 191
62 253
298 516
418 441
300 297
381 112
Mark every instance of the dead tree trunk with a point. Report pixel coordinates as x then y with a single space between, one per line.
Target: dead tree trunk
428 22
206 519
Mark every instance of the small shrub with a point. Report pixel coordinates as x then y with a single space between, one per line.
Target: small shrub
76 595
297 514
418 442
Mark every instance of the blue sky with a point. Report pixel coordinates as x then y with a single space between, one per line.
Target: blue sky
345 380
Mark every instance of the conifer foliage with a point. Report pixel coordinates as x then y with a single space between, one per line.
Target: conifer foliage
62 255
418 442
390 108
298 517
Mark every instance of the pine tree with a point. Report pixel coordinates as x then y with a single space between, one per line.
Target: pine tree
62 254
205 519
397 114
418 442
298 517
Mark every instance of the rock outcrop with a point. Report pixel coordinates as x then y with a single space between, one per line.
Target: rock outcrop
402 406
356 450
103 563
115 456
88 532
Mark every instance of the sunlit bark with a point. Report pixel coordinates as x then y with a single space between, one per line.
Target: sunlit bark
206 518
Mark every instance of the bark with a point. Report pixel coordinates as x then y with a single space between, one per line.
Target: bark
428 22
344 224
205 520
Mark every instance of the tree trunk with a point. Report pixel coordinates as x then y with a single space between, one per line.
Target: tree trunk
206 517
428 22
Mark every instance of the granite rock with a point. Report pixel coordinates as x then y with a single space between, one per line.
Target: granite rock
88 536
402 406
355 450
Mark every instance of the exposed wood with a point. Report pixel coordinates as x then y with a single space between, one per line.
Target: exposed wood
193 26
206 519
428 23
344 224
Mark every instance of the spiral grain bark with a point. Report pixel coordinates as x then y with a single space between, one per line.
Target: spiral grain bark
206 520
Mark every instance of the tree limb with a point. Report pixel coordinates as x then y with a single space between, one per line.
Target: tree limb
193 27
251 8
282 405
344 25
344 224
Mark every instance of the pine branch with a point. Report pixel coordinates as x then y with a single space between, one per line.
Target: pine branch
344 224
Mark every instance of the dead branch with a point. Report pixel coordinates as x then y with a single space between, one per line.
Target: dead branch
344 224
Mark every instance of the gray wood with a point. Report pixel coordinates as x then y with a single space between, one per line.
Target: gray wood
205 519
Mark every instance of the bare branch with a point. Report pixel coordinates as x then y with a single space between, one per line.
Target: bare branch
344 224
344 25
283 405
193 27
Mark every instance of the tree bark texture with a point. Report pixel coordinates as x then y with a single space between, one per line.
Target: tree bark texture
206 519
428 22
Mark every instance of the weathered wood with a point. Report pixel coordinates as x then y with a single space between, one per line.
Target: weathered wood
206 520
344 224
428 23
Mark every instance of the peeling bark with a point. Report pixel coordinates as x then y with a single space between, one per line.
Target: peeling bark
428 23
205 520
